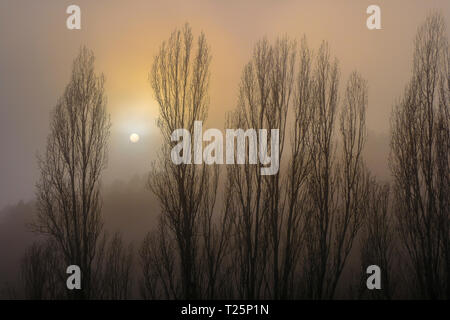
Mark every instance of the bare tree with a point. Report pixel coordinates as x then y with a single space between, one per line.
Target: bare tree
322 180
68 195
258 202
377 241
337 188
420 142
158 263
187 192
42 273
44 276
281 91
113 265
298 204
215 243
245 183
354 191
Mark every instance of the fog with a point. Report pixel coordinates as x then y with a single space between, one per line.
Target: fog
37 53
38 50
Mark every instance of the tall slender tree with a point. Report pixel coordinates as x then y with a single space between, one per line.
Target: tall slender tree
337 182
187 192
68 192
245 184
420 144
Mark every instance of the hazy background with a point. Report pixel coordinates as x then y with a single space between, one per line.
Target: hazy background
36 53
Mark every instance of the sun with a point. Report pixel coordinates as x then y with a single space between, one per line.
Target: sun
134 137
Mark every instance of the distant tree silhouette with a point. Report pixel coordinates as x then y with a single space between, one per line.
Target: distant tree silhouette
378 242
420 141
114 264
42 272
158 263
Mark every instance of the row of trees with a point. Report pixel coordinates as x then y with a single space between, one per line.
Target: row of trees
290 235
281 236
231 232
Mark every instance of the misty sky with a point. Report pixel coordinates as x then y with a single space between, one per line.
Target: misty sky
37 51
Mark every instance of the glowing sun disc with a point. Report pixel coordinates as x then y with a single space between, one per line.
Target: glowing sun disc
134 137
